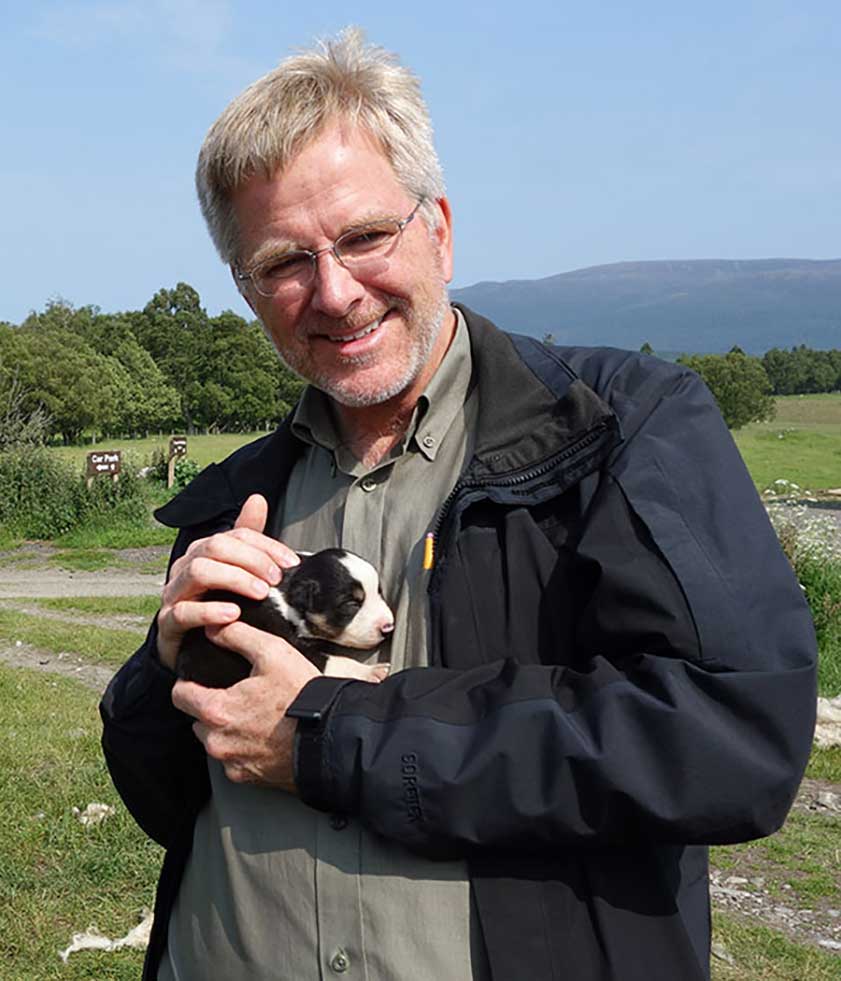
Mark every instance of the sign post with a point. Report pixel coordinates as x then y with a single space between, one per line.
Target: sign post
101 463
177 448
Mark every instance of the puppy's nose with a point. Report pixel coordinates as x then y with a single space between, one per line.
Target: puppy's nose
387 627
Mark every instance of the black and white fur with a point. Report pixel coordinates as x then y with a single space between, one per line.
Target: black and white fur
328 607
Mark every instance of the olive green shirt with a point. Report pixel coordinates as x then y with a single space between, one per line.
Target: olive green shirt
273 889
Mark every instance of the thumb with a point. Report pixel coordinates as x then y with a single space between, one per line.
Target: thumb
253 514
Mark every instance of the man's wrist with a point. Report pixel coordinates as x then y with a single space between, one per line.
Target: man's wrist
311 708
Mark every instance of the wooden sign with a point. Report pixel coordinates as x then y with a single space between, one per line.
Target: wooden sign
103 463
177 446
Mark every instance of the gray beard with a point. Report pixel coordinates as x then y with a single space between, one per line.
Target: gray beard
419 357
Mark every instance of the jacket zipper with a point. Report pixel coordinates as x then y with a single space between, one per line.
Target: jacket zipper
432 542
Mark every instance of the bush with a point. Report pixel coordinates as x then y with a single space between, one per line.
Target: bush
42 497
811 543
185 471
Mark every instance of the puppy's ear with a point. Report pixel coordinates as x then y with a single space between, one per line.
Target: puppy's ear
303 593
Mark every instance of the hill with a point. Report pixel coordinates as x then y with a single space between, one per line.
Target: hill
705 305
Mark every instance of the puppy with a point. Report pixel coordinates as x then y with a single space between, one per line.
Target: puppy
328 607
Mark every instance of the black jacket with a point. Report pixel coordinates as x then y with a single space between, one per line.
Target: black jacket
622 671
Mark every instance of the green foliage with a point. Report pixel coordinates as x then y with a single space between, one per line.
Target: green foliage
802 370
185 471
19 426
167 367
57 877
809 541
738 383
42 497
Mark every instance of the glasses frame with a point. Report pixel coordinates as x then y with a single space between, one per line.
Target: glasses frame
312 255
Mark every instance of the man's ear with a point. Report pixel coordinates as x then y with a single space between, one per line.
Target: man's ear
444 235
303 593
241 290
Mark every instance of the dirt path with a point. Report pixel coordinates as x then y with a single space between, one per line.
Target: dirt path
19 655
31 572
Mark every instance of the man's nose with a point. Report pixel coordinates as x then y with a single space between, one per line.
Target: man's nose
335 289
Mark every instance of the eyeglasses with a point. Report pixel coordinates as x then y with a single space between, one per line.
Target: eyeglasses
358 249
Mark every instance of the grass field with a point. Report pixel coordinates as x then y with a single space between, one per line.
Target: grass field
57 877
203 449
802 444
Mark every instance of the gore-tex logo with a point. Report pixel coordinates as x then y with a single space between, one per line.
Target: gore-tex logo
411 793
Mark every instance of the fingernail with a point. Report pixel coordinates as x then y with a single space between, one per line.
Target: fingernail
231 612
261 588
274 575
291 560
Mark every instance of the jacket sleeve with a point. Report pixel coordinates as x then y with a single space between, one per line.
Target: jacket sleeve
684 722
156 763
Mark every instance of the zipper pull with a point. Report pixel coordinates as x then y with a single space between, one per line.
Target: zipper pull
429 551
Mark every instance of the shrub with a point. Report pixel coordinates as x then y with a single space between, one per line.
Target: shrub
811 542
185 471
42 497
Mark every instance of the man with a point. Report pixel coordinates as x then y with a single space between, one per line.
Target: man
606 666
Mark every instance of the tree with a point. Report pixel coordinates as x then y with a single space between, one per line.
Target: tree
77 387
739 384
646 349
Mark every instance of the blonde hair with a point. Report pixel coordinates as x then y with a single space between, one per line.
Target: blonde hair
263 128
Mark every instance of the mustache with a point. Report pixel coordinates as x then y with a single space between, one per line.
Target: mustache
352 323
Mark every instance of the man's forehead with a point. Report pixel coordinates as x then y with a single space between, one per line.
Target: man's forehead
339 180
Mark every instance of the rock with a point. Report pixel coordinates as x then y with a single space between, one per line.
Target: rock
720 952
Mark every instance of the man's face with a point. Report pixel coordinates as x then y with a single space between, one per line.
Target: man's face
340 181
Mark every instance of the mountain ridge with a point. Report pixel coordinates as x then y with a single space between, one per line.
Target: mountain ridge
697 305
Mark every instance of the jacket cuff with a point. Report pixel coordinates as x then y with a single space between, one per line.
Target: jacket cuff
312 710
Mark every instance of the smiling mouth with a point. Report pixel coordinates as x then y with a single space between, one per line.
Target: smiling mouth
364 332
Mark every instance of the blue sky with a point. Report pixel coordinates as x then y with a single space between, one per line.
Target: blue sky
570 135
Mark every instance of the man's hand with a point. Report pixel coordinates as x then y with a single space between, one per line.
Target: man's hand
243 560
245 726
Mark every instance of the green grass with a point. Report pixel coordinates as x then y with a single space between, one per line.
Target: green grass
825 763
57 877
96 644
761 954
144 606
203 449
97 559
801 861
116 536
801 444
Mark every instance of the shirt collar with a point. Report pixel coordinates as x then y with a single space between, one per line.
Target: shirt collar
313 421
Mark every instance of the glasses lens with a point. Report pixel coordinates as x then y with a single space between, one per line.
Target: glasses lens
369 242
272 274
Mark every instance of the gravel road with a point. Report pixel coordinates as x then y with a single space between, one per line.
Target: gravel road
58 582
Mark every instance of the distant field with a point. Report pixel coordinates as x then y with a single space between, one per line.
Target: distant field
802 444
202 449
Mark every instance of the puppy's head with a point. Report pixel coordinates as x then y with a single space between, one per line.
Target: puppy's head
336 596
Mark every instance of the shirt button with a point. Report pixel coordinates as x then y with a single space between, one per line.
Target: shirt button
368 484
428 442
340 962
338 822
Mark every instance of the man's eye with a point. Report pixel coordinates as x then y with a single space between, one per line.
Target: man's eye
366 240
284 266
